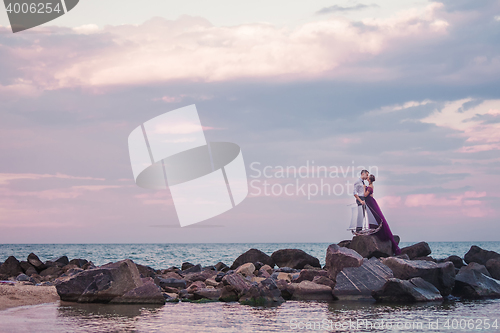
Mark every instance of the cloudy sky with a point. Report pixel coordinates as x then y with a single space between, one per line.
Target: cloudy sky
408 88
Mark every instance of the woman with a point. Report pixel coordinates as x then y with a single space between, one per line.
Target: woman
384 233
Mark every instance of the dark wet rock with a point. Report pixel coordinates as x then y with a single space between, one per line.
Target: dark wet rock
477 254
337 258
253 256
219 276
26 266
472 284
493 266
371 246
186 265
477 267
36 262
442 275
265 292
309 275
344 243
421 249
63 260
146 271
192 269
413 290
53 271
456 260
258 265
308 290
78 262
363 280
220 266
11 267
294 258
100 284
170 282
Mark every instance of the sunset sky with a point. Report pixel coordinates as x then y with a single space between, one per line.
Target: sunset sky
409 88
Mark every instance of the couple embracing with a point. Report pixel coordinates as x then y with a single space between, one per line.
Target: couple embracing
364 197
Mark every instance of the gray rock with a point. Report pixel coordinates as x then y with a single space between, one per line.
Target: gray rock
472 284
220 266
294 258
413 290
442 275
186 265
148 293
100 284
363 280
11 267
477 254
62 260
371 246
192 269
78 262
54 271
146 271
493 266
421 249
456 260
253 256
477 267
22 277
337 258
36 262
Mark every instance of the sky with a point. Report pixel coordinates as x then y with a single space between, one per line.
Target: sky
408 89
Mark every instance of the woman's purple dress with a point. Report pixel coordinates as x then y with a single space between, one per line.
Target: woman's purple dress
384 233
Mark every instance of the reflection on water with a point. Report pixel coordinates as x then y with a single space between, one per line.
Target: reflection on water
233 317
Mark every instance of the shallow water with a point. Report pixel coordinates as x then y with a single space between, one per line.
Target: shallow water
290 316
161 256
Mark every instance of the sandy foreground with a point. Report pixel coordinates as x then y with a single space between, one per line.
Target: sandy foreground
19 294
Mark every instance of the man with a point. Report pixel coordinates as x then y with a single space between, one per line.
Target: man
359 194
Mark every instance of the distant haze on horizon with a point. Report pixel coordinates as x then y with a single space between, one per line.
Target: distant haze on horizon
407 89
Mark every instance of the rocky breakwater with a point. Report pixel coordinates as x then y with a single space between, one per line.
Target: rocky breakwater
257 278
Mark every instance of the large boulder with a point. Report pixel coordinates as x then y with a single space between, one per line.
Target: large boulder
237 281
307 290
246 269
294 258
456 260
472 284
36 262
359 282
253 256
371 246
11 267
421 249
101 284
78 262
441 275
63 260
146 271
477 254
170 282
413 290
477 267
148 293
337 258
493 266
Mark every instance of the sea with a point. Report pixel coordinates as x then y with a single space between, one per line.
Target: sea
291 316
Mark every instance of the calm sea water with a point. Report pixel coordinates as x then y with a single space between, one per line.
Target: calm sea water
161 256
291 316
